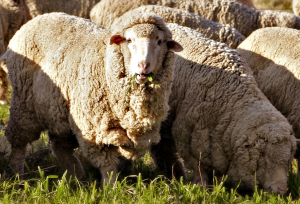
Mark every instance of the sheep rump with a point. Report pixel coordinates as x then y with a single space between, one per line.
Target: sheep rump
62 84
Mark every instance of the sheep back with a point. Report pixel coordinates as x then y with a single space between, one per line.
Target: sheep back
79 8
237 15
213 30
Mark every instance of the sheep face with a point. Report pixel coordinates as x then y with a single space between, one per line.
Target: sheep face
276 166
145 43
144 52
276 182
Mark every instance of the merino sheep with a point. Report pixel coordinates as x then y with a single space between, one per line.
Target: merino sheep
237 15
296 7
273 56
220 119
213 30
79 8
70 77
13 15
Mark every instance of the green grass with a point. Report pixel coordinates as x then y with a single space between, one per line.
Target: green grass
51 189
44 182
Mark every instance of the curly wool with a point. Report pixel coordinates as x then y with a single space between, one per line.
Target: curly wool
233 13
219 115
79 8
78 85
276 69
213 30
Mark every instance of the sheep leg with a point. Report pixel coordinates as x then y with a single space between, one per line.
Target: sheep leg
19 138
200 176
166 157
18 155
63 148
106 171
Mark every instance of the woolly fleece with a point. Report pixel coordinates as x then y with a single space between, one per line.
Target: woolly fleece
13 16
275 65
233 13
213 30
219 115
79 8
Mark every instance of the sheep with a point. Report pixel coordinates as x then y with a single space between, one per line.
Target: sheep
79 8
276 69
13 15
213 30
71 77
221 121
248 3
296 7
237 15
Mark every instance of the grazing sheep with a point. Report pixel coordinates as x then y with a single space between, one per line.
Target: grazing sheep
275 67
220 119
13 15
296 7
237 15
79 8
213 30
71 77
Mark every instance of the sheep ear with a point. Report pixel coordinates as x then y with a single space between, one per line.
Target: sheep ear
174 46
116 39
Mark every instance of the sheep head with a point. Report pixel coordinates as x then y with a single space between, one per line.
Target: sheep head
277 159
145 43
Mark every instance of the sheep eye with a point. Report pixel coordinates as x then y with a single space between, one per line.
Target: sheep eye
159 42
129 40
16 1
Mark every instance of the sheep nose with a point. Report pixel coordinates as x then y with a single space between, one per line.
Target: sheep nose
282 189
143 65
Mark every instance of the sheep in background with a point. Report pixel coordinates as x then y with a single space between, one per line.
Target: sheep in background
79 8
72 80
233 13
273 56
296 7
248 3
13 15
213 30
220 119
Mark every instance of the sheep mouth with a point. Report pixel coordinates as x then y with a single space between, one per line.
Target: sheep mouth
142 78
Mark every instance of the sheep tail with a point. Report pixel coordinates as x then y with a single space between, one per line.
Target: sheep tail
5 54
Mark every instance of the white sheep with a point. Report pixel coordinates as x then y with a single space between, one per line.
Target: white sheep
273 56
237 15
296 7
71 77
213 30
13 15
79 8
220 119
